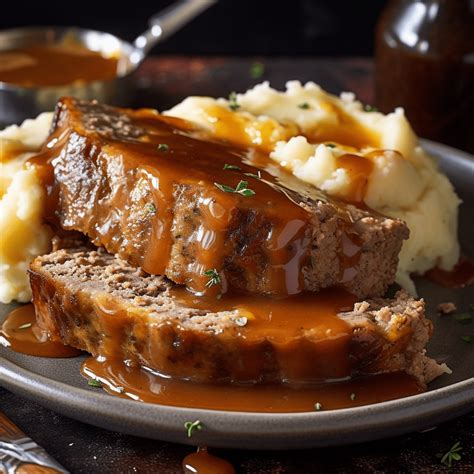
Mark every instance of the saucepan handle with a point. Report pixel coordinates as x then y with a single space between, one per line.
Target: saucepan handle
165 23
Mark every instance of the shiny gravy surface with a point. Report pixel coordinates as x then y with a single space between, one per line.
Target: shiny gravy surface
164 154
55 65
21 333
229 187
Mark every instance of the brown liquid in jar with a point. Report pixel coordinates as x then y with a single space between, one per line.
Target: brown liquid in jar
424 63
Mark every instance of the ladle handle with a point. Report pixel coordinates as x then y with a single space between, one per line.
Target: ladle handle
171 19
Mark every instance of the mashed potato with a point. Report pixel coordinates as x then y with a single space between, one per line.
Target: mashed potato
340 147
23 235
330 142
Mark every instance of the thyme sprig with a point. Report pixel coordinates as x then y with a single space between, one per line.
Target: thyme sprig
451 455
214 277
191 426
241 188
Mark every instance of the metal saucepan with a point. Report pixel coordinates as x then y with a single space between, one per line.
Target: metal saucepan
18 103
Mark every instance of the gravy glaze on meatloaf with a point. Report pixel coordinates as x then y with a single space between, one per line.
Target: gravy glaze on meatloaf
96 302
167 198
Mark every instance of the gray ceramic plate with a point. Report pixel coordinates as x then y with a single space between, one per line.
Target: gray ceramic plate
57 384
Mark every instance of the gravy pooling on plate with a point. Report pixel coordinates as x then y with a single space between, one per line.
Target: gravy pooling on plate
119 379
138 158
21 333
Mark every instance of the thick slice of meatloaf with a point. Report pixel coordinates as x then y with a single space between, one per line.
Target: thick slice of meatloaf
143 187
96 302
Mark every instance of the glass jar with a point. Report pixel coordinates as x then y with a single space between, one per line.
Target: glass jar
425 63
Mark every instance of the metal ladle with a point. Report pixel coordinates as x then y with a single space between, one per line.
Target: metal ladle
18 103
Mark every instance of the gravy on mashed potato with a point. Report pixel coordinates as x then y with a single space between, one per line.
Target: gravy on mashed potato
23 235
349 152
330 142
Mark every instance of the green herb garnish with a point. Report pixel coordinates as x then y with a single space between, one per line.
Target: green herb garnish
304 106
163 147
150 207
463 318
467 339
231 167
256 70
214 277
330 145
233 105
450 456
25 326
253 175
191 426
353 396
370 108
241 188
94 383
318 406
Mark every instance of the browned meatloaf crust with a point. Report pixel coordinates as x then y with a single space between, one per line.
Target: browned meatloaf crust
104 192
93 301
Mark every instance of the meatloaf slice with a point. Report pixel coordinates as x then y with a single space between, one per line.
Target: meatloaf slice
96 302
166 198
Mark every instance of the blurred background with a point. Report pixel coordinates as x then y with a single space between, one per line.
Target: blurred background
235 27
423 52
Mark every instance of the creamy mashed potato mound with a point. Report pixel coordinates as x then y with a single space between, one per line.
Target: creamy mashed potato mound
23 235
349 152
331 142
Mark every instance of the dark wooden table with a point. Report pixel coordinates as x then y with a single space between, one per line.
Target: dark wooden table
85 449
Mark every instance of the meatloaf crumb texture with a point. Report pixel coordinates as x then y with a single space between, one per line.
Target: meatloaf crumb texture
98 303
106 192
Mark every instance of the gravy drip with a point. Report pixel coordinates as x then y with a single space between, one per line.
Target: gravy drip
54 65
21 333
143 385
202 462
460 276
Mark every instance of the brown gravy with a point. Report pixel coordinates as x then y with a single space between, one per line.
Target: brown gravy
307 337
286 248
161 157
142 385
202 462
21 333
54 65
460 276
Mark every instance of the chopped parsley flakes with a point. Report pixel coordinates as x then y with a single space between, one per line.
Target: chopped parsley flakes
233 105
231 167
256 70
370 108
463 318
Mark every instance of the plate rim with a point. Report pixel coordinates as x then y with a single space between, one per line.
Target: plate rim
252 430
334 427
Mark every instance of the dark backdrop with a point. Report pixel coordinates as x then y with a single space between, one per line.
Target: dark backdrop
243 27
